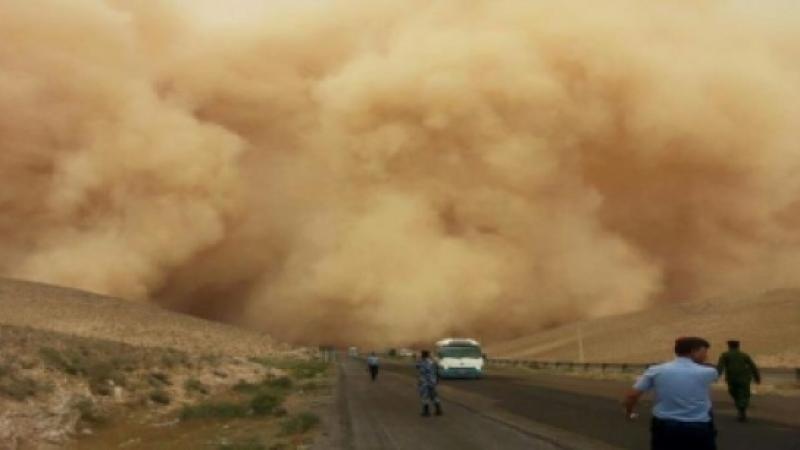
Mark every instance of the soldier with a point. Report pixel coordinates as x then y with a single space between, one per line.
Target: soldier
739 370
682 417
426 368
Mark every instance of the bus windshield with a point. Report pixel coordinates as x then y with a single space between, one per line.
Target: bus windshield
460 352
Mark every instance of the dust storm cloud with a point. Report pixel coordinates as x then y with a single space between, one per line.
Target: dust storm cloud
379 171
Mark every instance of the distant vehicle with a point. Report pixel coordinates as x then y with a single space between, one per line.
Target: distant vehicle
405 352
352 351
459 358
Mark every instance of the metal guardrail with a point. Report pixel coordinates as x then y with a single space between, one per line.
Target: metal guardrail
769 375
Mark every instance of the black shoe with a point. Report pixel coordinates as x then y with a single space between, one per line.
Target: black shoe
426 411
438 409
742 416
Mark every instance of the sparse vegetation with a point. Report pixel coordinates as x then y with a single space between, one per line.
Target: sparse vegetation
264 403
245 444
173 358
142 379
218 410
268 384
160 396
19 388
299 424
67 363
5 370
89 412
100 374
193 385
157 379
298 368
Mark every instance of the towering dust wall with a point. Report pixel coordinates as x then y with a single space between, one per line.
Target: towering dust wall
378 171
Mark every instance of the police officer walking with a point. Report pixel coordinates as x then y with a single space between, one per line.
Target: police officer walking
682 418
373 365
426 384
739 370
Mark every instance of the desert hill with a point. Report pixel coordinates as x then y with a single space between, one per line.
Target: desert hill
80 313
80 370
768 326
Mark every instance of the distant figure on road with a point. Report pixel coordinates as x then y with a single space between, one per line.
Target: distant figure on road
739 370
373 364
426 368
682 417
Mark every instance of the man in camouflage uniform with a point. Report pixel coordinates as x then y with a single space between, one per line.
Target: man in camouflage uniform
739 370
426 384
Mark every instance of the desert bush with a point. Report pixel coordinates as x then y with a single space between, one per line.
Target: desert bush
89 412
268 384
299 424
99 373
160 396
157 379
19 388
5 370
173 358
308 369
298 368
67 362
195 385
211 360
279 382
245 444
264 403
219 410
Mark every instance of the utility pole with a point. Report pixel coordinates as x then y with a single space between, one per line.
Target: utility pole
581 358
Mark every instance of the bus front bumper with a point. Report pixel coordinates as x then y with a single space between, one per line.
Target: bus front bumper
460 372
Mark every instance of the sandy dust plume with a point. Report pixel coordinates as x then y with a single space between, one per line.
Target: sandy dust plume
386 171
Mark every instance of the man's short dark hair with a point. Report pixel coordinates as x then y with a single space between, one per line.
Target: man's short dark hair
686 345
425 354
733 344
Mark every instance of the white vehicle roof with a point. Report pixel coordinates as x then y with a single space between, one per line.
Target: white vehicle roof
458 342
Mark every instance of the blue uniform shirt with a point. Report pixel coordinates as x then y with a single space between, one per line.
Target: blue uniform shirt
682 389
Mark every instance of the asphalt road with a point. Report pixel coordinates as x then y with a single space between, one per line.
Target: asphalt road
385 415
591 409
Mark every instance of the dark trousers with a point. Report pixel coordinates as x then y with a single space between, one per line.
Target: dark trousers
428 394
740 392
675 435
373 372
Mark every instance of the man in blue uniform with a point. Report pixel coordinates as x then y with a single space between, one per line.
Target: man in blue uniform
373 365
682 412
426 384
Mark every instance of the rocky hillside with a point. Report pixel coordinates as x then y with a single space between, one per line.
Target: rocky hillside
82 371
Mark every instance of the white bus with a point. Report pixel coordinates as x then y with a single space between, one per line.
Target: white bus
459 358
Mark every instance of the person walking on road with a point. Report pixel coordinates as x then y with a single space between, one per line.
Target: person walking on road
426 384
682 416
739 370
373 364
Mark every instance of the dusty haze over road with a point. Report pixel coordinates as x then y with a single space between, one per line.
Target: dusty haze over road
374 170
